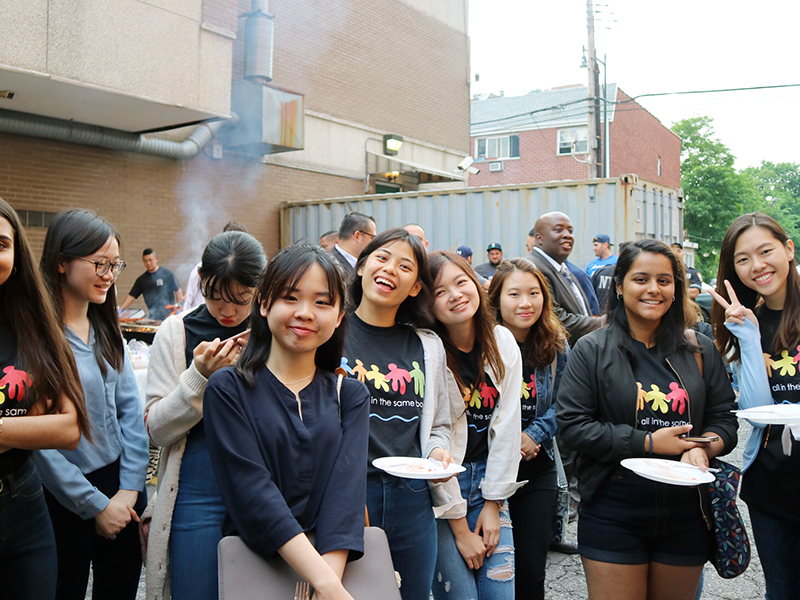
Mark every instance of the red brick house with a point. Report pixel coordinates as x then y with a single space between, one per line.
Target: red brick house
543 135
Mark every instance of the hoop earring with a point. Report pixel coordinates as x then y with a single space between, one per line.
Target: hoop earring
619 296
673 298
13 271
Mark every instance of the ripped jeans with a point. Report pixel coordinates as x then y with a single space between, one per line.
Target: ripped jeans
453 579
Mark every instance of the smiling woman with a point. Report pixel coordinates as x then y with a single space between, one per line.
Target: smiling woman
41 406
757 262
404 368
96 492
287 438
633 389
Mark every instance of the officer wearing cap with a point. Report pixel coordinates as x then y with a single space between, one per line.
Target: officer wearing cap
602 250
495 253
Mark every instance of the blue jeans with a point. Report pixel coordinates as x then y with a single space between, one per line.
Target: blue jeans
778 543
495 579
402 508
196 525
28 563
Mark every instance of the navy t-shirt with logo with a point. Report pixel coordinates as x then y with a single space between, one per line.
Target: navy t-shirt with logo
390 361
661 401
15 394
480 400
773 480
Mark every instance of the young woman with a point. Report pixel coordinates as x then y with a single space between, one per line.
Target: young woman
757 263
476 544
404 369
188 510
287 437
95 491
633 389
520 298
41 406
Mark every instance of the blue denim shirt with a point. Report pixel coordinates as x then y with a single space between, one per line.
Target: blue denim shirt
542 429
115 411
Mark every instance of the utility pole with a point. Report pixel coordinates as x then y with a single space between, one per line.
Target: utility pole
595 147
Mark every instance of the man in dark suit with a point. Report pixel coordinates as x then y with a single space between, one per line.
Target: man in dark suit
355 232
553 242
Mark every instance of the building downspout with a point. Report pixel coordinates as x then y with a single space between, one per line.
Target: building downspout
58 130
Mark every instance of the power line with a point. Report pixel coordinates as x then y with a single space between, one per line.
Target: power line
632 99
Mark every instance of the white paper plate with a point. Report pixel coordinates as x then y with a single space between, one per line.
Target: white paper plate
772 414
668 471
416 468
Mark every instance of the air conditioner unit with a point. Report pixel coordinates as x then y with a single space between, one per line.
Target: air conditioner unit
495 166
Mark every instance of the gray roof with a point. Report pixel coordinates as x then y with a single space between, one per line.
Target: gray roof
536 110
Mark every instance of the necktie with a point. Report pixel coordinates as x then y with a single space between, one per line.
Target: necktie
568 276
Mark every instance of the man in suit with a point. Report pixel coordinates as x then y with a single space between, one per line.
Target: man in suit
553 242
355 232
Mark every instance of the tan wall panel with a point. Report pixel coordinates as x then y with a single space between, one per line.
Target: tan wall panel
23 34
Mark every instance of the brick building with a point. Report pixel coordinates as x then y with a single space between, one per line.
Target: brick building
543 136
124 76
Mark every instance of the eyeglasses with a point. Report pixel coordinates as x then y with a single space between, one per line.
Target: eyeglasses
103 266
371 235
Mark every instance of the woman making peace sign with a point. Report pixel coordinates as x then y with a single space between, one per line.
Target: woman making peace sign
757 262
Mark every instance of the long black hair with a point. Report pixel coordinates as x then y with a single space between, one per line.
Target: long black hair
26 305
789 329
414 310
229 259
669 337
282 275
75 234
483 319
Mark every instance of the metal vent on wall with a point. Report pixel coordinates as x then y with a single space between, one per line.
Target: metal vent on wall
259 30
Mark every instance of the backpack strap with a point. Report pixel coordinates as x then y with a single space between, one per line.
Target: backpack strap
691 337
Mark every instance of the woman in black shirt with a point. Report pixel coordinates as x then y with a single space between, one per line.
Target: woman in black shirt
521 299
287 438
757 263
41 406
633 389
403 366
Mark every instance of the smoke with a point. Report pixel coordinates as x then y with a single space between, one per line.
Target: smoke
207 195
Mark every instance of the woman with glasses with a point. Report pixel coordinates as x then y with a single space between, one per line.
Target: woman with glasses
96 492
188 348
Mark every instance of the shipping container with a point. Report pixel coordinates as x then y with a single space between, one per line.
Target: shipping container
625 208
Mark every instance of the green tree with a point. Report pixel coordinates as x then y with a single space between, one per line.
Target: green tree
714 193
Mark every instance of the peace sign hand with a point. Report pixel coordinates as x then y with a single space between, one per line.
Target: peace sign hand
734 311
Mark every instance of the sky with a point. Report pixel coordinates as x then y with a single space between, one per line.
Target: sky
653 47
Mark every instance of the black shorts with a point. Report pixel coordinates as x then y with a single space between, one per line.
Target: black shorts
633 521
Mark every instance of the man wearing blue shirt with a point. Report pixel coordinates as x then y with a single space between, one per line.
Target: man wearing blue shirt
602 250
159 286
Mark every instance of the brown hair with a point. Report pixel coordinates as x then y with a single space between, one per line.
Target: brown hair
789 328
547 337
27 306
484 323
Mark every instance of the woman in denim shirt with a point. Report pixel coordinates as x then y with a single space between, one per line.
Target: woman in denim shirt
521 300
96 492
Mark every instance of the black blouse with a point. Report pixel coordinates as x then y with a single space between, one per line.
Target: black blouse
281 475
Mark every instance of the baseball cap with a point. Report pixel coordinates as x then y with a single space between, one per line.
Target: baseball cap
464 251
603 239
494 246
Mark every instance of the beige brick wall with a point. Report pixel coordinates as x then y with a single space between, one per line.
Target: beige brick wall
338 53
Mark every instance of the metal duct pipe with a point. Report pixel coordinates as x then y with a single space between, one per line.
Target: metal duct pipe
258 40
102 137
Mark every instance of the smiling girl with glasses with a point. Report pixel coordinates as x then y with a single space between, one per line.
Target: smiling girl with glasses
95 493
